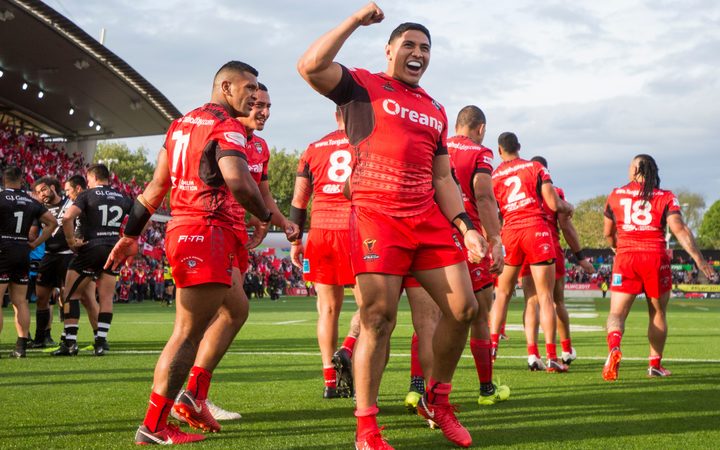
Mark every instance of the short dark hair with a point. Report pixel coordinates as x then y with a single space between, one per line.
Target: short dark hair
100 171
509 142
540 159
50 181
262 87
12 174
236 66
77 180
470 116
406 26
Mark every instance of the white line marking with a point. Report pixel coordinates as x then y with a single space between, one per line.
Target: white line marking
583 315
573 327
702 308
407 355
288 322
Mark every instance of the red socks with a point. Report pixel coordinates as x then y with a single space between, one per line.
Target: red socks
566 345
480 349
438 393
655 361
199 382
366 420
157 412
415 367
349 344
551 350
613 339
330 377
533 350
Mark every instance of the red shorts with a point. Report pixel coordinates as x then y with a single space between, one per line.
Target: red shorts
559 265
201 253
634 273
530 245
242 255
410 281
399 245
479 275
327 257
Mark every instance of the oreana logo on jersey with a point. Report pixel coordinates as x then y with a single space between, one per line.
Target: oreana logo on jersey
395 109
235 138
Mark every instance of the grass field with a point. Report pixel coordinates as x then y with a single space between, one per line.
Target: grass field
272 375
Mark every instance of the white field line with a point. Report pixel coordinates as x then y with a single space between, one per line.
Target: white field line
583 315
288 322
407 355
702 308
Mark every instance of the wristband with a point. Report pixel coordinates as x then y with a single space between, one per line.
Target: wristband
463 223
267 218
579 255
138 217
298 216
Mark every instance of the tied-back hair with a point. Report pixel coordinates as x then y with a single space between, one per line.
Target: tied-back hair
648 169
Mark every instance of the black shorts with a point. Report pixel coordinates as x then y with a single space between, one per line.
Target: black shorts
53 267
90 261
14 263
169 283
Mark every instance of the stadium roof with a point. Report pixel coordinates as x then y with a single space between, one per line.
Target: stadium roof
64 69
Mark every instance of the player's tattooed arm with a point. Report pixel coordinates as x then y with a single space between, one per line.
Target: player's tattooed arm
573 241
686 239
49 223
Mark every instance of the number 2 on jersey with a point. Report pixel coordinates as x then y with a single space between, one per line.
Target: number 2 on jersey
515 193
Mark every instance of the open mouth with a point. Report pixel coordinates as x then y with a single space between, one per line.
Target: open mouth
414 67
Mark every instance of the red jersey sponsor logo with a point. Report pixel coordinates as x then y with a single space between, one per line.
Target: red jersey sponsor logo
394 108
467 159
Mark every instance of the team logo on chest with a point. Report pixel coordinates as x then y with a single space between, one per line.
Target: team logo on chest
258 147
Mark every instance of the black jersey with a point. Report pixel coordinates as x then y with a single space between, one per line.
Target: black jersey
57 243
18 211
103 211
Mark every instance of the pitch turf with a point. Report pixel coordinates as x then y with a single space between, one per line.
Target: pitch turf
272 375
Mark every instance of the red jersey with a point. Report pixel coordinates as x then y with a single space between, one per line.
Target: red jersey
640 224
258 159
517 186
397 130
327 164
194 144
468 159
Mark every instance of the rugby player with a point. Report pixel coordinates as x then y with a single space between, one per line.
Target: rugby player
204 161
403 197
103 210
472 166
322 171
19 211
54 264
635 219
521 187
556 222
258 158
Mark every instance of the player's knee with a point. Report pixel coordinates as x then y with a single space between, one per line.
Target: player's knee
377 322
467 313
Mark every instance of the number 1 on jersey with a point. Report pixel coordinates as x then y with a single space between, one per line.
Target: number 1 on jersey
182 140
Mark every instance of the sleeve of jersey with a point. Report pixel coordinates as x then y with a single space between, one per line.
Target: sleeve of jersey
345 91
544 174
81 201
673 206
608 210
303 169
442 141
483 163
231 139
266 166
560 192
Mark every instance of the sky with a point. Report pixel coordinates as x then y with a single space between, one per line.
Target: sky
586 84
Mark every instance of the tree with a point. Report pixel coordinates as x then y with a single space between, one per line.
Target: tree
692 205
709 235
124 162
281 174
588 221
